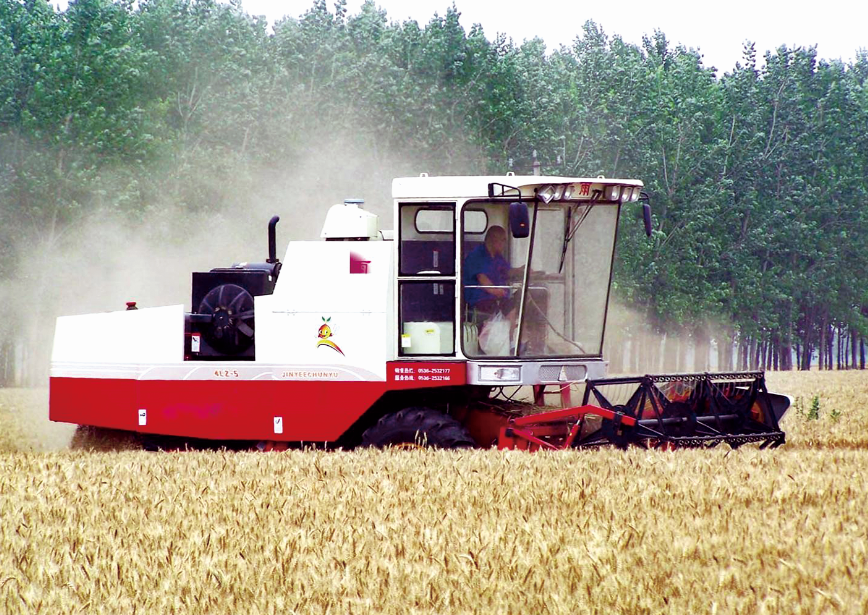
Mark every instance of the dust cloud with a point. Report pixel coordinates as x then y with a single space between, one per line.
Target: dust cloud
635 344
108 258
147 256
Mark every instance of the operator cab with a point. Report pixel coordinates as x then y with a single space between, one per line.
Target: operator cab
464 289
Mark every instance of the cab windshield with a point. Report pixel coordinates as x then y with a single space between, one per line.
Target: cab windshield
558 308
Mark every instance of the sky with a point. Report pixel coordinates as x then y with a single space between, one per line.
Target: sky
837 27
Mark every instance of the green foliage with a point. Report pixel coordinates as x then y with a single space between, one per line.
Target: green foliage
757 176
799 407
814 412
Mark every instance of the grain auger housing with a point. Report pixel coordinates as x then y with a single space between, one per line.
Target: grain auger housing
409 336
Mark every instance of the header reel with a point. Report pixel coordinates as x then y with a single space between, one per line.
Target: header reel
663 411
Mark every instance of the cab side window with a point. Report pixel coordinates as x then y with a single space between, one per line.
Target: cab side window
426 279
427 240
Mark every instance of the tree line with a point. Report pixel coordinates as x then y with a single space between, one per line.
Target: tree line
161 113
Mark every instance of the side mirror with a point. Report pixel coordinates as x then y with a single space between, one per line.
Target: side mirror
646 214
519 221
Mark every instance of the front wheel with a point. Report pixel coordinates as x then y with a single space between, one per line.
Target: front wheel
418 427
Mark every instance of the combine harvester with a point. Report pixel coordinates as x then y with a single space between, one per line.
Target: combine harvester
406 337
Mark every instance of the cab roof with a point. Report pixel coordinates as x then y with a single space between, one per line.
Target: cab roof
477 186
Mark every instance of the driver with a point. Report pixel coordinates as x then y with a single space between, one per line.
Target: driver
485 266
486 278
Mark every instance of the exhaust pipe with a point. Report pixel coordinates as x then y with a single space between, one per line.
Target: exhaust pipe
272 246
272 239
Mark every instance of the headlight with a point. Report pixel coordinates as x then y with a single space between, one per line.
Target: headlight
546 194
612 193
500 373
630 194
559 192
626 193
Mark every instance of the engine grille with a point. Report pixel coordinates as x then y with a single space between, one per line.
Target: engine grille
561 373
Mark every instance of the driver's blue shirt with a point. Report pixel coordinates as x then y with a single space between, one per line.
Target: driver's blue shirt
481 261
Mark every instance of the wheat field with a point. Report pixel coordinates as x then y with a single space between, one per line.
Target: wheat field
690 531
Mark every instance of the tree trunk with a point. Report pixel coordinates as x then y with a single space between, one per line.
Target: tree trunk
843 347
787 348
809 332
823 346
610 349
861 353
670 357
731 348
756 361
721 353
747 353
703 349
642 365
807 352
683 347
731 344
724 350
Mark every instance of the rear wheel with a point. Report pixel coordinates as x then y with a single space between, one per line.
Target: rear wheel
418 427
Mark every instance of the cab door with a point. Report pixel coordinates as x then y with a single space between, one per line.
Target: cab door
426 279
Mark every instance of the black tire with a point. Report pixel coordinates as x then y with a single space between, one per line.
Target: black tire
155 443
418 426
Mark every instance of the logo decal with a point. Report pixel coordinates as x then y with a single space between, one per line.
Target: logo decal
325 332
358 264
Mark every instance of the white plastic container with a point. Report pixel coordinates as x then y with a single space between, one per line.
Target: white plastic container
433 338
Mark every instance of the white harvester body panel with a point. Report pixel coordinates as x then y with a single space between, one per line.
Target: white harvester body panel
346 286
115 343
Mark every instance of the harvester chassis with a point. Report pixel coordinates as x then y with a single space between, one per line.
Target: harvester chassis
397 338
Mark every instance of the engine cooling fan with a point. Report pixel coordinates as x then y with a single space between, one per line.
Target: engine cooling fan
231 311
